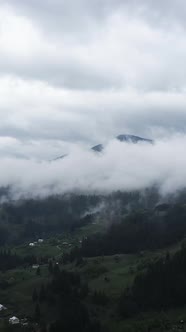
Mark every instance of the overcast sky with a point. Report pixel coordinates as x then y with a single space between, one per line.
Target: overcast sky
83 71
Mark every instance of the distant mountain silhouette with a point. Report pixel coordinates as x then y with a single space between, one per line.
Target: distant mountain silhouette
133 139
124 138
98 148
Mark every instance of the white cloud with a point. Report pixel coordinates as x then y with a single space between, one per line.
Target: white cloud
122 166
122 50
79 73
37 110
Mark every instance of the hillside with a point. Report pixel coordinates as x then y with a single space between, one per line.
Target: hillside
89 267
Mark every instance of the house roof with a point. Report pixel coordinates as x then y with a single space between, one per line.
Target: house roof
14 318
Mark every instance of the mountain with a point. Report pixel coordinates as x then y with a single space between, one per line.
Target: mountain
98 148
124 138
133 139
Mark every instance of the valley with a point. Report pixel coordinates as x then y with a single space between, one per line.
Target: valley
101 281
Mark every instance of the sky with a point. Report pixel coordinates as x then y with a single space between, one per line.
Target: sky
81 72
74 74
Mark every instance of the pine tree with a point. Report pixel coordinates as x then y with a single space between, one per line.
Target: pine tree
42 294
50 267
37 314
34 295
56 269
38 271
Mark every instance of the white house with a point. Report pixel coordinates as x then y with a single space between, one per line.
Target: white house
35 266
2 307
14 320
31 244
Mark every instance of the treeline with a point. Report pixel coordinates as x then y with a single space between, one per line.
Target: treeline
10 260
65 296
162 286
30 219
146 230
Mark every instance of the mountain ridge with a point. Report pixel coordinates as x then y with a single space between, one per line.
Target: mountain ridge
124 138
131 139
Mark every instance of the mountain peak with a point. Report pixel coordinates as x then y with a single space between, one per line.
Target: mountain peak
132 139
124 138
98 148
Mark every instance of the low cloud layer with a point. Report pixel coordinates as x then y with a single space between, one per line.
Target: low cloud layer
121 166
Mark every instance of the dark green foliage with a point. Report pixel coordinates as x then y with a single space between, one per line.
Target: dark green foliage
38 271
42 294
4 235
31 219
37 313
84 290
56 269
162 286
34 295
69 291
74 317
10 260
43 328
50 267
99 298
145 230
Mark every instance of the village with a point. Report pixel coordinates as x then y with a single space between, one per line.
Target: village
52 250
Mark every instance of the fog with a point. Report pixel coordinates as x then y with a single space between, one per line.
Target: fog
121 166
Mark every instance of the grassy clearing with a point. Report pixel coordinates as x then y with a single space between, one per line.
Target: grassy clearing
18 296
45 249
118 273
158 322
111 274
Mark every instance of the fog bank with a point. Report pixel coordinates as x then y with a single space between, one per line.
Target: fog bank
121 166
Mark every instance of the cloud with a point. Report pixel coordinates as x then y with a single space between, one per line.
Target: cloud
122 166
121 49
81 72
43 121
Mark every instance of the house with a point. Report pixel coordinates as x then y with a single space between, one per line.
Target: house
35 266
40 241
2 307
14 320
24 322
31 244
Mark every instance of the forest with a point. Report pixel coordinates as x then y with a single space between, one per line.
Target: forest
119 259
